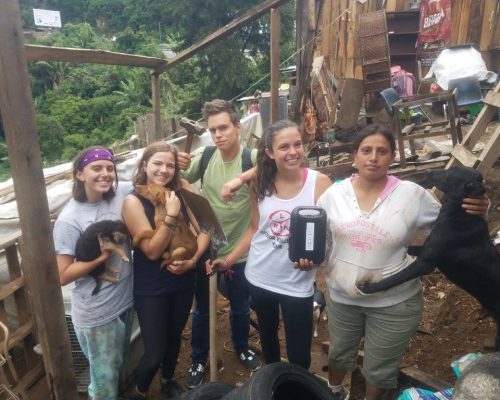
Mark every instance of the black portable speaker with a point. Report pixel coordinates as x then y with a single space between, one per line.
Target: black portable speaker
307 234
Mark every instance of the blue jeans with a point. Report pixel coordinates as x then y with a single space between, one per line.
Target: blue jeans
237 288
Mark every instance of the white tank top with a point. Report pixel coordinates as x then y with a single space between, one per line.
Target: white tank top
268 265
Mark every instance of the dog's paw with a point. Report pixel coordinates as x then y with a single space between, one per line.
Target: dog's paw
365 287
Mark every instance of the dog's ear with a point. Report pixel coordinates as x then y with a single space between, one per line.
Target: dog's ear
438 178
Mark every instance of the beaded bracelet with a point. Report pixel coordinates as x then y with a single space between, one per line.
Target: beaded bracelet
169 226
228 262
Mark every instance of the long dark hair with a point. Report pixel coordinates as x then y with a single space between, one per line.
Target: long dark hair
78 191
140 177
266 166
374 129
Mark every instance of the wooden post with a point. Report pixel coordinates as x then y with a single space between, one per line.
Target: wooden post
275 64
38 256
212 290
305 33
155 86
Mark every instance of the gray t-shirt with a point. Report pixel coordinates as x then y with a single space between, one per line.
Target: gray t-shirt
88 311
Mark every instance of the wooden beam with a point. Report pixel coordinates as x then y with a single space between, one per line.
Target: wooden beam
155 88
306 13
39 261
275 64
423 379
89 56
233 26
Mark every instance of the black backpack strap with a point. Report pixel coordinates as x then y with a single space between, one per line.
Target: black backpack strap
246 159
207 154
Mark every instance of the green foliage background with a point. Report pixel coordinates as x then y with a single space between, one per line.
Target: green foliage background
82 105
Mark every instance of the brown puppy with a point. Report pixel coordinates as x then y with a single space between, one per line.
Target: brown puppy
183 243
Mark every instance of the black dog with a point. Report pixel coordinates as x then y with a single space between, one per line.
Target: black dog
114 236
459 245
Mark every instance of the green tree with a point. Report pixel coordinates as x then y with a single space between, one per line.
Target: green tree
51 138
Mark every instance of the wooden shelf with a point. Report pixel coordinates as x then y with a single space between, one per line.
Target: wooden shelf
403 28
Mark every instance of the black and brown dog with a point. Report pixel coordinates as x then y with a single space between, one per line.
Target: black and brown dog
114 236
459 245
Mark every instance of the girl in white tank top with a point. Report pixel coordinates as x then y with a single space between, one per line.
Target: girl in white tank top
281 184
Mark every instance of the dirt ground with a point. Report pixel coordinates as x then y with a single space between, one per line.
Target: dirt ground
453 325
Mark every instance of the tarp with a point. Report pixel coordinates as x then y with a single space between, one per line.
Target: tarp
59 190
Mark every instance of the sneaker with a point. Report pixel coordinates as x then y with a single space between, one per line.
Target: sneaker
171 388
194 375
249 359
342 394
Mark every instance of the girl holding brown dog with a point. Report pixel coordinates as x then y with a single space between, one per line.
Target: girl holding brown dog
102 321
163 296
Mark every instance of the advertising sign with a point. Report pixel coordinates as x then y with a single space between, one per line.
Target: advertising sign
435 29
48 18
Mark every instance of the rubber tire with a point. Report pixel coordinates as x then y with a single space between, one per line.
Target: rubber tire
281 381
208 391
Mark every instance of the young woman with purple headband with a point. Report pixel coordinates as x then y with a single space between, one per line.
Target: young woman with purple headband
102 321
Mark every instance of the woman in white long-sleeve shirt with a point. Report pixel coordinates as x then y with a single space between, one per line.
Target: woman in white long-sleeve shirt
371 217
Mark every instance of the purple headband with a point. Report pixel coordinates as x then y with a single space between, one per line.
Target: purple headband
95 155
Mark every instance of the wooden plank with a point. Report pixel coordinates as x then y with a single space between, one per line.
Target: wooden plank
214 37
20 300
487 24
9 239
29 379
155 89
89 56
464 25
464 156
11 287
352 41
493 99
490 153
275 64
495 30
400 5
38 255
456 11
423 379
475 19
390 5
350 103
479 126
18 335
326 31
337 170
306 41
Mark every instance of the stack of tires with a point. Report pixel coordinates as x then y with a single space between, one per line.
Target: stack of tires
278 381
